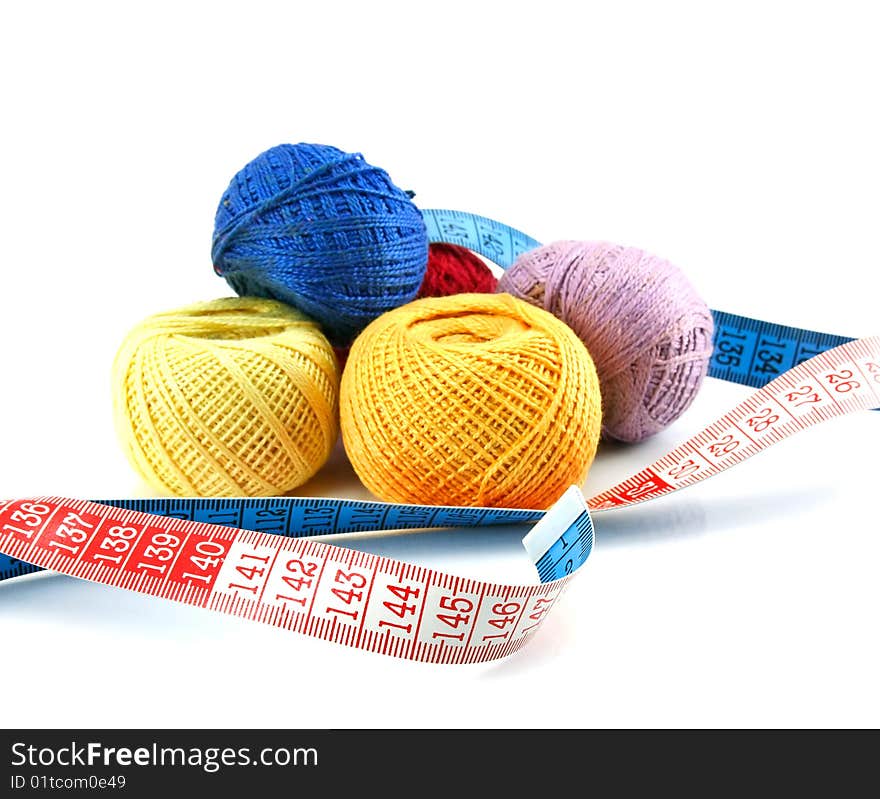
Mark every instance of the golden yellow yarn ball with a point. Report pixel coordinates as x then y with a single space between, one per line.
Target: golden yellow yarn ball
473 399
234 397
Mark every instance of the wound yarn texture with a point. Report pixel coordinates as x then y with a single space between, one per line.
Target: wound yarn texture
233 397
455 270
649 332
324 231
471 399
451 270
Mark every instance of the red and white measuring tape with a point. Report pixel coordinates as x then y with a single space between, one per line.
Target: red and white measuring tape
383 605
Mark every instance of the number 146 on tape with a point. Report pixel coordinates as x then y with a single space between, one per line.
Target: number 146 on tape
175 549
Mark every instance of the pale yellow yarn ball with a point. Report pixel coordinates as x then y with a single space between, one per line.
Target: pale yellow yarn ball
233 397
473 399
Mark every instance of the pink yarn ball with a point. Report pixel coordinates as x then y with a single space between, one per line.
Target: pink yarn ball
649 332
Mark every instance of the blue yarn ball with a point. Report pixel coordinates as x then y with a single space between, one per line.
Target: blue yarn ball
324 231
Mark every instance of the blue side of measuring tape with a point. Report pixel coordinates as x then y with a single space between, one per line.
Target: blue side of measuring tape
569 551
746 351
301 517
753 352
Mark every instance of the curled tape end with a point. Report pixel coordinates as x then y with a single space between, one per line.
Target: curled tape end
563 539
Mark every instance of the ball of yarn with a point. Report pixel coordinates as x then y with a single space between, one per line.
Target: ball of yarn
451 270
643 322
226 398
324 231
472 399
455 270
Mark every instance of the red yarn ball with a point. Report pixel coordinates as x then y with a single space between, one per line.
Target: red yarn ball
455 270
451 270
341 356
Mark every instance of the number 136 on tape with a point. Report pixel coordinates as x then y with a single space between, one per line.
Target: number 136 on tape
309 587
197 552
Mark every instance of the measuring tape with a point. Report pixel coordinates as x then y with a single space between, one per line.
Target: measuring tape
195 550
746 351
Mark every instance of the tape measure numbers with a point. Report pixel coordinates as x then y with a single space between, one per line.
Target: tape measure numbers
494 240
301 517
317 589
746 351
193 551
834 383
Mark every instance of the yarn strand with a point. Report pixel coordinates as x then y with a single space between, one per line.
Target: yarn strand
471 399
227 398
323 231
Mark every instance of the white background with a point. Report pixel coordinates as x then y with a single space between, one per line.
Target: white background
738 140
